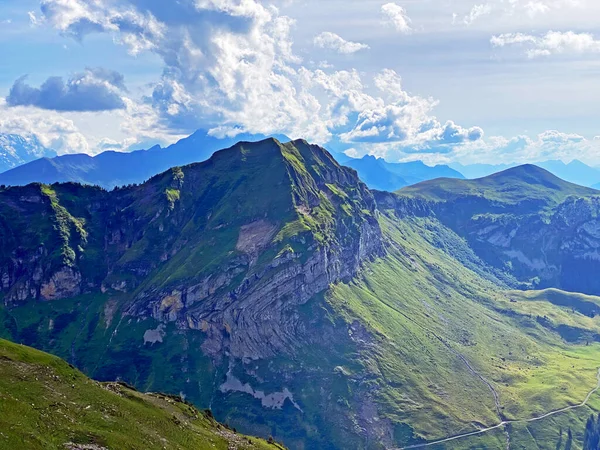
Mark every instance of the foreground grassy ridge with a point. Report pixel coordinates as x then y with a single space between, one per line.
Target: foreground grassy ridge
431 315
45 403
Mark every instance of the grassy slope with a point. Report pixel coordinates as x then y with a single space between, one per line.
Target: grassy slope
184 224
521 221
45 403
524 183
407 299
427 309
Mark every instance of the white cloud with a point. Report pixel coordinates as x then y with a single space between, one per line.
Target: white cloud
238 72
549 145
513 10
476 12
52 130
334 42
397 116
231 65
95 89
533 8
553 42
395 15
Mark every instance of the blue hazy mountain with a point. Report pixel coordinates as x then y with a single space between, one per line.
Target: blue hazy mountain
382 175
573 172
474 171
110 168
16 150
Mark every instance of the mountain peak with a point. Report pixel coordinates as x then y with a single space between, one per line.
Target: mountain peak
525 184
524 169
530 174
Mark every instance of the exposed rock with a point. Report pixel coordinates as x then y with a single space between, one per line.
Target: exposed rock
154 336
274 400
254 237
72 446
64 283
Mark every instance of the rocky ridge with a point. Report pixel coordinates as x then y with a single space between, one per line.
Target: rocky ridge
268 267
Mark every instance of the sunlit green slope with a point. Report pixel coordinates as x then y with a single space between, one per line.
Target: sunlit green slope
47 404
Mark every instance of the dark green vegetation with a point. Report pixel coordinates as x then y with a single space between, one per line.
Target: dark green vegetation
270 285
47 404
591 439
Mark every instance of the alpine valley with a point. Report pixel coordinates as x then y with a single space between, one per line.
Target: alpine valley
270 285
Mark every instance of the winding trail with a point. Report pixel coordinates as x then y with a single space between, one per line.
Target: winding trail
474 372
507 422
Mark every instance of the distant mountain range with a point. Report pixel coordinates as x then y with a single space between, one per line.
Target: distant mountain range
573 172
384 176
26 160
110 168
16 150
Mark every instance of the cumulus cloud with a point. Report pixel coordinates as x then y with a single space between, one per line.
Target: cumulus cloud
398 116
334 42
395 15
549 145
51 129
511 9
533 8
225 61
92 90
551 43
230 66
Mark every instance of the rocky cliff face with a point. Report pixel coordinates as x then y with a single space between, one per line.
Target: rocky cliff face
545 237
249 249
255 317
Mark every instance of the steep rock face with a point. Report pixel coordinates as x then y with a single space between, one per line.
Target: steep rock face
255 317
41 245
64 283
229 247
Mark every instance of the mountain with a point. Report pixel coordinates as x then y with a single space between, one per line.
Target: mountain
47 404
270 285
16 150
474 171
525 221
381 175
574 172
374 173
110 169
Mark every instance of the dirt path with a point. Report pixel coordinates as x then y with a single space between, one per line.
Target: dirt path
474 372
507 422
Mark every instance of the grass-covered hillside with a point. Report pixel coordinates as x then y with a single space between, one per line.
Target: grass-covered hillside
47 404
526 186
271 286
181 226
525 222
455 353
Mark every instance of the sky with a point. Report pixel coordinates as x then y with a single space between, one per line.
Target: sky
470 81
